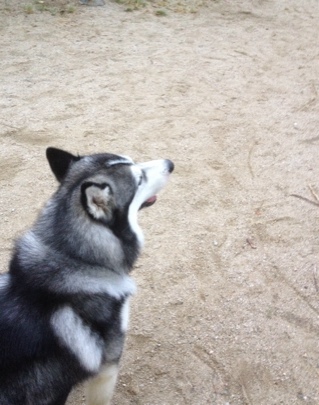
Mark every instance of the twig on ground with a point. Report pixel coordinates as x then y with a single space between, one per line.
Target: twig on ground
315 195
315 280
305 199
245 394
249 159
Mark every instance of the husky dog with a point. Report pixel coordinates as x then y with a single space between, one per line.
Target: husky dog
64 304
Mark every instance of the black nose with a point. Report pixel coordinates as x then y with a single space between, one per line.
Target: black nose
170 165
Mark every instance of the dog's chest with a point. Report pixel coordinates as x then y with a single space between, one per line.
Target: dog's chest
103 313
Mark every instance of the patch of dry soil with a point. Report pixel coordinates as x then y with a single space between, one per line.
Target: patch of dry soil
227 310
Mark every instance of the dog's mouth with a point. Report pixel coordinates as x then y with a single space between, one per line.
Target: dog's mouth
150 201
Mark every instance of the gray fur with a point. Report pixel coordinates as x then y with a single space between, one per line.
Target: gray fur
64 303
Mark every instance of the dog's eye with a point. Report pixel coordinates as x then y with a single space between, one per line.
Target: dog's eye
142 178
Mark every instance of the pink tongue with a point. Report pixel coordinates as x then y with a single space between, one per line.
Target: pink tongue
151 200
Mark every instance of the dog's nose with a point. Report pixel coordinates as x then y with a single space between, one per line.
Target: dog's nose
170 165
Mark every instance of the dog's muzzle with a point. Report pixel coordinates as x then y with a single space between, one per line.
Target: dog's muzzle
150 201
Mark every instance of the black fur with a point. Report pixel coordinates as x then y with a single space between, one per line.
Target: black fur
68 263
29 348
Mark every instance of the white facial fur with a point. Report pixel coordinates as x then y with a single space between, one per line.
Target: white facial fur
123 159
157 173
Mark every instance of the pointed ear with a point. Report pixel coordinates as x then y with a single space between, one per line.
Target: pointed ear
60 162
97 199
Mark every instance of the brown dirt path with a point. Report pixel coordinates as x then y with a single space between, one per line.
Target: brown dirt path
227 310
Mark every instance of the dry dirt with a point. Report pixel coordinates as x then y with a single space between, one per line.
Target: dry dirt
227 309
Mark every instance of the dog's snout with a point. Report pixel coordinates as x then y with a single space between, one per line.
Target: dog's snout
170 165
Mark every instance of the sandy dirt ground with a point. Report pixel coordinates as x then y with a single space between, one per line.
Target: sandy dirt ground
227 309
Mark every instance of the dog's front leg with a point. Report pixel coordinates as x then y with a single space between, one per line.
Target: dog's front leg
100 388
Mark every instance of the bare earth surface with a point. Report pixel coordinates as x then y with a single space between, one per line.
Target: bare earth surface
227 309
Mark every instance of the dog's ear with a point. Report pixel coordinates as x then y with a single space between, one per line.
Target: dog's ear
60 162
97 199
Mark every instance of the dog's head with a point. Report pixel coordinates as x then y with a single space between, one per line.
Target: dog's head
109 189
